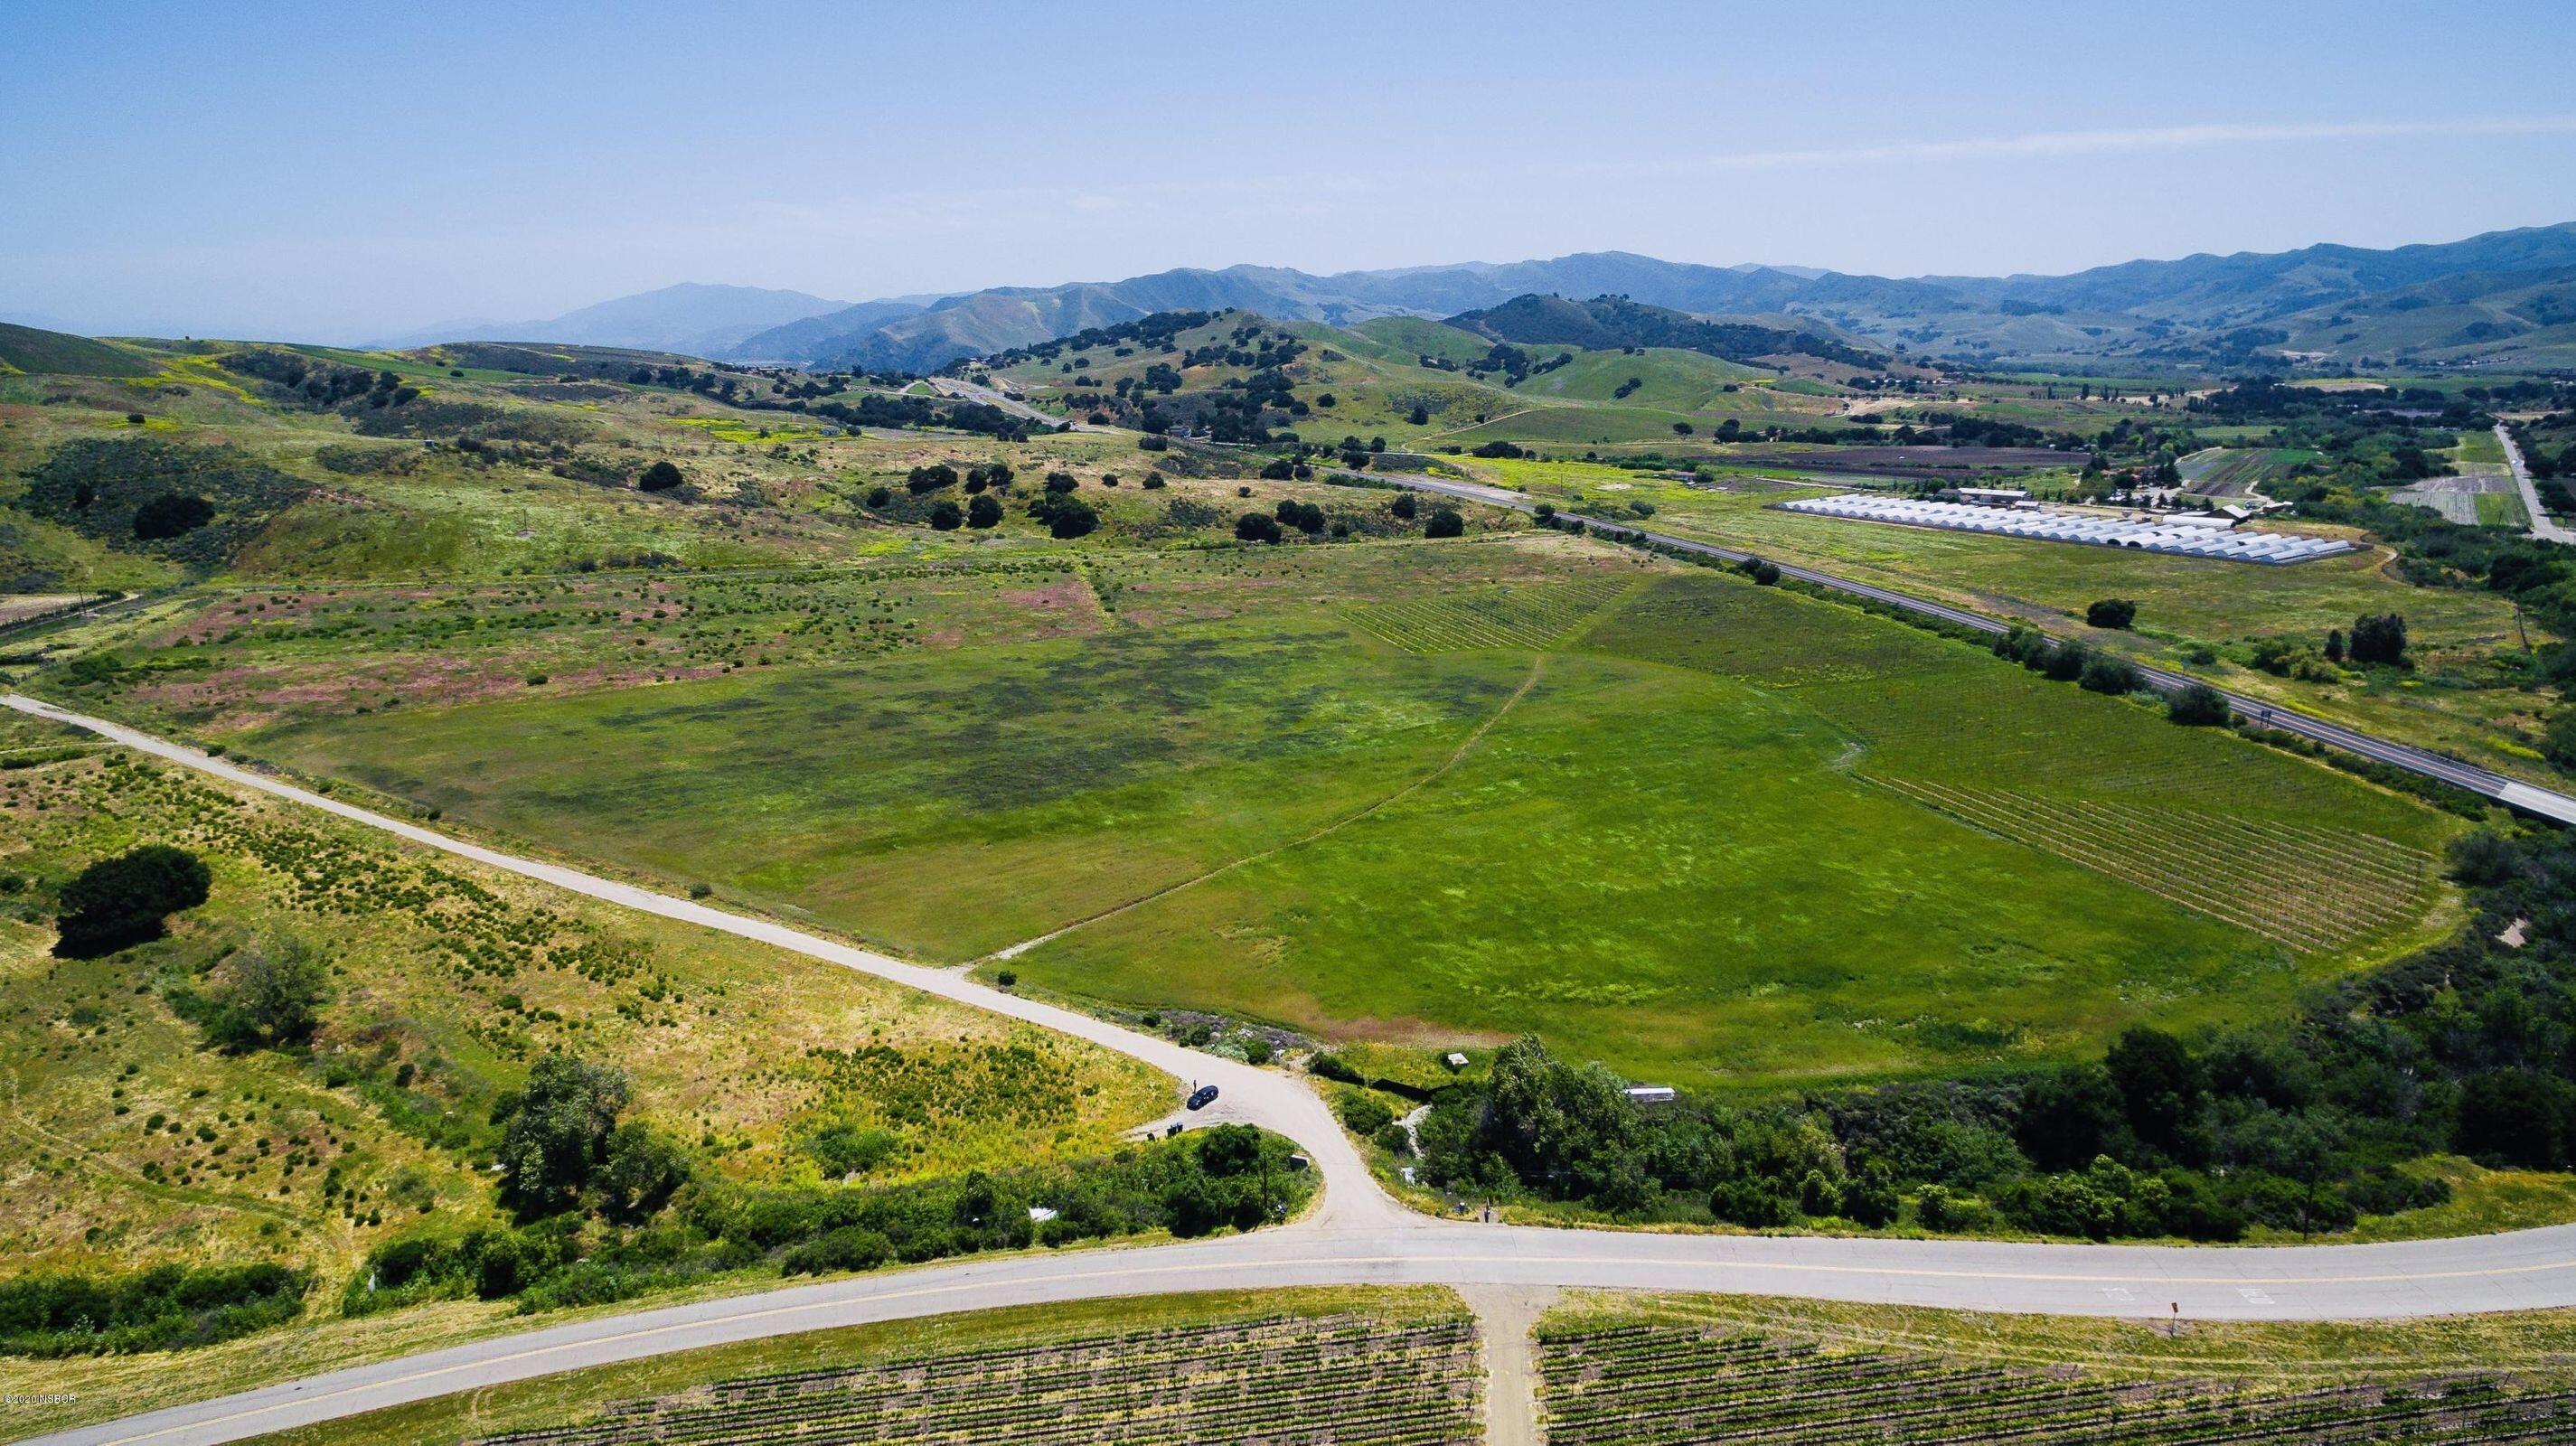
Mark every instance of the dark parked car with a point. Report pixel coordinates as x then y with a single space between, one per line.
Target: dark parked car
1202 1097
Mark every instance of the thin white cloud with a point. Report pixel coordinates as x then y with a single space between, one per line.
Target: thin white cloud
2094 142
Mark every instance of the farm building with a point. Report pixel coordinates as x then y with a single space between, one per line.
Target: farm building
2160 535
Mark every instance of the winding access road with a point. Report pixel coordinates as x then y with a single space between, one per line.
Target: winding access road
2521 797
1356 1235
2542 527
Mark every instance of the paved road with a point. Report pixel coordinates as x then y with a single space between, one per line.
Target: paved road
2541 526
2522 797
1357 1235
967 391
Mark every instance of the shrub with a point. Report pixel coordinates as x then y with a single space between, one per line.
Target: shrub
662 476
2378 638
1065 515
1404 506
1444 522
2107 673
556 1133
1757 1204
2558 742
1365 1114
165 1308
984 511
1154 482
946 516
2111 612
1256 527
851 1247
641 1169
273 994
2197 705
119 902
1328 1066
170 515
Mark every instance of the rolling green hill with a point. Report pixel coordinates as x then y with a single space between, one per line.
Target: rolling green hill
27 349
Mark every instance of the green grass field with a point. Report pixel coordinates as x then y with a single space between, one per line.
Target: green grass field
1669 820
2464 697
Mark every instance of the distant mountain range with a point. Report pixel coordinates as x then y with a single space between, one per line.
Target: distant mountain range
2504 298
692 317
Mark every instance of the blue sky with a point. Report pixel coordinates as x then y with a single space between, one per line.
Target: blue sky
351 170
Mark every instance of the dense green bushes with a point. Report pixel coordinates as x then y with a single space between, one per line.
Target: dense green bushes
163 1308
195 504
1226 1176
2299 1124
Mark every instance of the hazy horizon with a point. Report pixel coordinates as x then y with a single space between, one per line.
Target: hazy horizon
286 174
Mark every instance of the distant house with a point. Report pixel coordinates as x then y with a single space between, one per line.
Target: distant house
1651 1094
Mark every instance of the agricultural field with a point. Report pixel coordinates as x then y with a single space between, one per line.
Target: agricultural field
1674 767
1648 1384
1285 784
1343 1380
2473 652
931 1349
2239 471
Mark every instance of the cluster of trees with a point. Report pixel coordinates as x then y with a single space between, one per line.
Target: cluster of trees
1515 365
2068 661
319 385
2302 1123
190 503
1966 429
171 514
1228 1176
1065 514
1151 333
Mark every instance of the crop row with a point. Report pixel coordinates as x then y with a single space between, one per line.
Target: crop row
2308 890
1516 617
1653 1385
1291 1382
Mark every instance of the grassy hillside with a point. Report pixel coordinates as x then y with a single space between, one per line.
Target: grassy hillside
26 349
140 1136
484 461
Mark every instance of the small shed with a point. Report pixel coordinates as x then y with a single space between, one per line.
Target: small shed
1650 1094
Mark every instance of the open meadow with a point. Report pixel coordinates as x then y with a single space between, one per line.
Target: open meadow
1426 794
